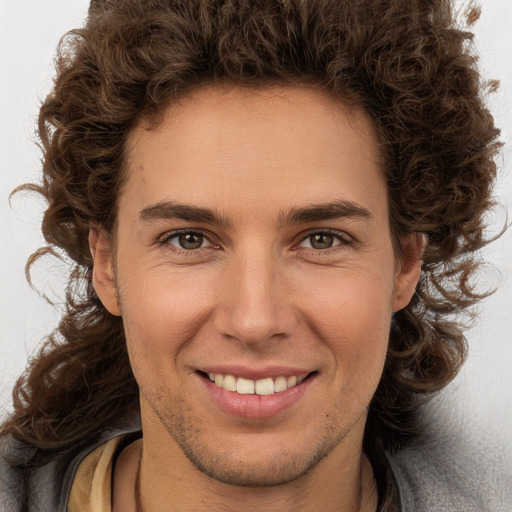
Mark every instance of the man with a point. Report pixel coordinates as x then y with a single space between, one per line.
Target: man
272 208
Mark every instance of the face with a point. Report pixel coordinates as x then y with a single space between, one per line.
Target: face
256 278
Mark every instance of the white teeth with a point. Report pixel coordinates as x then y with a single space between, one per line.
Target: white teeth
291 381
264 386
245 386
229 383
280 384
267 386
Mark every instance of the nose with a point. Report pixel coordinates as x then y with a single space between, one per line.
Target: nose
255 305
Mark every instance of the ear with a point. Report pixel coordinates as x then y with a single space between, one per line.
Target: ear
103 278
408 269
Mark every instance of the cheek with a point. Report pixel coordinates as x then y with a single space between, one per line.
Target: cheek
161 314
357 303
353 320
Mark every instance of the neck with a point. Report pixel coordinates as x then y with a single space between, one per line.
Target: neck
160 476
329 486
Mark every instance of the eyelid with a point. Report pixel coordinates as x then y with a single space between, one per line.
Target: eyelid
168 235
344 239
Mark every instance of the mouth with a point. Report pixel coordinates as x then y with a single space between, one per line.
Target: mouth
268 394
263 387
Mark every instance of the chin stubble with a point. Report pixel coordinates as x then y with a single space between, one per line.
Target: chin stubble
230 467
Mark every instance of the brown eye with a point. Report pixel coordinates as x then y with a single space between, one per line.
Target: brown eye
321 240
188 241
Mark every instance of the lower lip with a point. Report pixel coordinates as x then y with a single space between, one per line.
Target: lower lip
255 406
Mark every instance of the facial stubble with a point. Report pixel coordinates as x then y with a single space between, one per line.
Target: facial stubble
188 431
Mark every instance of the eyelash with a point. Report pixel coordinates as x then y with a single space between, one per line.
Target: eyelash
343 239
165 242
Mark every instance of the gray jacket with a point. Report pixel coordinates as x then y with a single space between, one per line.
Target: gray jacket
428 478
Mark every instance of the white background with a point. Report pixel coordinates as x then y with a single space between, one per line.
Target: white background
480 397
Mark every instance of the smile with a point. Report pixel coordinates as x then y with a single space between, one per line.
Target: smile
268 393
266 386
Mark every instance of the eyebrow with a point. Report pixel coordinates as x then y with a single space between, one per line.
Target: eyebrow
299 215
325 211
171 210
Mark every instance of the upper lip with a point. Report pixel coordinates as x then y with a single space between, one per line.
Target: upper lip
255 373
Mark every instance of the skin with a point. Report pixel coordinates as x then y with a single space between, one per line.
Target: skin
259 291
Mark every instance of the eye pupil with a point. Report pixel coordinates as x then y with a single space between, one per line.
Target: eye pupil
322 241
190 240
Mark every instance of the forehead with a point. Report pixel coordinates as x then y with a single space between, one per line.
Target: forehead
282 146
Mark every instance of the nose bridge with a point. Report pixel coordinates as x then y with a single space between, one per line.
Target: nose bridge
254 306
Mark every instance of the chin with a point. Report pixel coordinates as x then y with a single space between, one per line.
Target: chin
243 471
259 460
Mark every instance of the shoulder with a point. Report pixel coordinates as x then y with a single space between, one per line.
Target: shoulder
453 472
11 489
46 485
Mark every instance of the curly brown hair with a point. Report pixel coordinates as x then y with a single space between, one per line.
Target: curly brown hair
405 62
